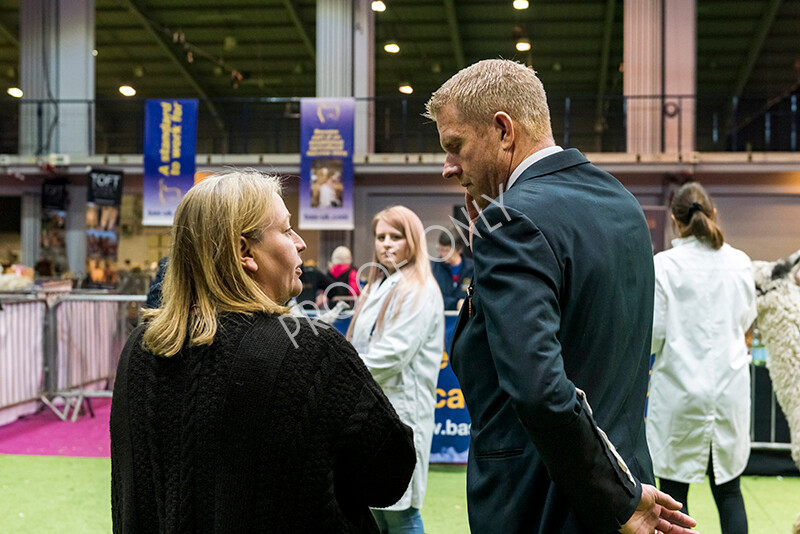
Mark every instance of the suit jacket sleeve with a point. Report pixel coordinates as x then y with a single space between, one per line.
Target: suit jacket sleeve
519 277
154 293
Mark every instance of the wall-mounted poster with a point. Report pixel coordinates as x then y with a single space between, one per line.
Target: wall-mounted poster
52 259
102 227
170 139
326 163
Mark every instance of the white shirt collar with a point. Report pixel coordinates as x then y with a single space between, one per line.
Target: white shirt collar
530 160
678 241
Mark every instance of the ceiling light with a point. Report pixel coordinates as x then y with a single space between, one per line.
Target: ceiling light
16 92
392 48
377 5
524 44
405 88
520 4
94 53
127 90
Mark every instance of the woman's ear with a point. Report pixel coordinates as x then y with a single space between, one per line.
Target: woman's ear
246 255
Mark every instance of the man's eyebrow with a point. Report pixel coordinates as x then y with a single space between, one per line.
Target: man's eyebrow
450 142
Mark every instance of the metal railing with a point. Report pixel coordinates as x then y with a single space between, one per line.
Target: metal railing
766 432
66 347
62 347
272 125
21 348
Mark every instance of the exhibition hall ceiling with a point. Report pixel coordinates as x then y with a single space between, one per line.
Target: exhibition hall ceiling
182 48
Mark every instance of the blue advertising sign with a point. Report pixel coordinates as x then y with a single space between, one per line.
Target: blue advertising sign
170 140
452 422
326 163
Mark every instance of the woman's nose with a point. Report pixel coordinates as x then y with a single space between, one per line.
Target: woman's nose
299 243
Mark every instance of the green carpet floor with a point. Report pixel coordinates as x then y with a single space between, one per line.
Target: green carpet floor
42 494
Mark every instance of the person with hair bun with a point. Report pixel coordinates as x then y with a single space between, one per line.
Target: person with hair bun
699 412
229 415
398 330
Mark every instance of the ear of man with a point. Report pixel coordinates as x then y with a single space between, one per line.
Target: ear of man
504 126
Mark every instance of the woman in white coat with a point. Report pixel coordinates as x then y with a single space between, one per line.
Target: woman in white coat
698 418
398 330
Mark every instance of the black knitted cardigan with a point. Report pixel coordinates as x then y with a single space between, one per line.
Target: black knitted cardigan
276 427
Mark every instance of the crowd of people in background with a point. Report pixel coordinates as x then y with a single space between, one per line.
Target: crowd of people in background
220 419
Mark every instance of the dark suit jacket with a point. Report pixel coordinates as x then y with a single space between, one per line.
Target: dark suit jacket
563 298
154 293
452 292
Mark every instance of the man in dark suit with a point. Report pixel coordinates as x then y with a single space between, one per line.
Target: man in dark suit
559 318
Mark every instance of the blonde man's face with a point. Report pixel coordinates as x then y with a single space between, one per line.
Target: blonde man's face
474 155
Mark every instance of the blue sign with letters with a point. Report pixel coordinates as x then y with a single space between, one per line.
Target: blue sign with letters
452 422
170 143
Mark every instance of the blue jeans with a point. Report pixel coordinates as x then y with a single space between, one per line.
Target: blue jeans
406 521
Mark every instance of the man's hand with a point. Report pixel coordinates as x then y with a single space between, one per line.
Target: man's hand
658 512
472 207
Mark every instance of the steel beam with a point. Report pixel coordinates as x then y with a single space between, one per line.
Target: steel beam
455 35
300 29
756 43
602 78
8 35
158 35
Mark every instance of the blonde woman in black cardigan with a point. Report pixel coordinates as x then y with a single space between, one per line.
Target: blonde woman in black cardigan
228 414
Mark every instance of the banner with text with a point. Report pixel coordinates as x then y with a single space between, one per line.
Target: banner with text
326 163
170 139
102 227
452 423
451 420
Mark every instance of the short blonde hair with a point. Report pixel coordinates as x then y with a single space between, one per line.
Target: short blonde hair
204 273
486 87
341 255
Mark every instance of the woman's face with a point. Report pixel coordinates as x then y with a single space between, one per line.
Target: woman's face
274 261
391 246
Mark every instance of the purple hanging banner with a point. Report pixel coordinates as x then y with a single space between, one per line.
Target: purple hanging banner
326 163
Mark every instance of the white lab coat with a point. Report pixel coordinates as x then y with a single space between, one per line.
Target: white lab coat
404 358
700 385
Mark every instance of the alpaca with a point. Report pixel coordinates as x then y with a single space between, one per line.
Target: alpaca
778 302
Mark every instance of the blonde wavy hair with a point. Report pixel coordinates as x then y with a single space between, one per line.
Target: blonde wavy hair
415 273
486 87
204 273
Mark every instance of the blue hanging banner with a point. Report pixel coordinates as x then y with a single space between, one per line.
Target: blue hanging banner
170 141
326 163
